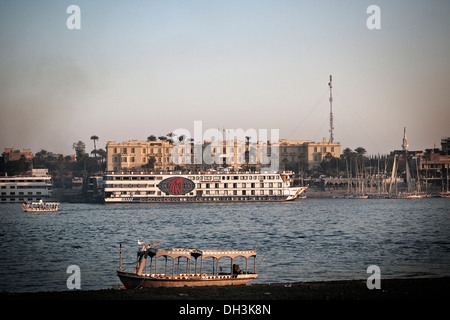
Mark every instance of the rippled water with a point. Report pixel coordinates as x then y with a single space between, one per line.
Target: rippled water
311 240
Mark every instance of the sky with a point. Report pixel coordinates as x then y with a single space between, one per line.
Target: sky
137 68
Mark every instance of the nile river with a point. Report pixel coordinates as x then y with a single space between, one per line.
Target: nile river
308 240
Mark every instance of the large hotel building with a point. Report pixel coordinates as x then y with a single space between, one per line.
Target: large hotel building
134 154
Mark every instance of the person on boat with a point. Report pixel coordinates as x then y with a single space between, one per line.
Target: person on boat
236 269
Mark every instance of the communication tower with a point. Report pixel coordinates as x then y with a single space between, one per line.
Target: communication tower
331 110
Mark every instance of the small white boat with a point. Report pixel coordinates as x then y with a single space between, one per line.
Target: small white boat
40 206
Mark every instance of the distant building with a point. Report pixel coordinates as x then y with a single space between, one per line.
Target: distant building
305 150
445 144
11 154
224 153
135 154
438 163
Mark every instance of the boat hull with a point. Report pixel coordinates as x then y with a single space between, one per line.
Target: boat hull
39 210
134 281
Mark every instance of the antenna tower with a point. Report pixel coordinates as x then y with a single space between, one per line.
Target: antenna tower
331 110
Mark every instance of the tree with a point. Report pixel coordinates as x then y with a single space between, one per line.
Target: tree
170 135
360 151
102 153
151 138
151 163
95 147
80 149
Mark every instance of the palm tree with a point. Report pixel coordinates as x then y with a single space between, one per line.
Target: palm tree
170 135
361 151
95 147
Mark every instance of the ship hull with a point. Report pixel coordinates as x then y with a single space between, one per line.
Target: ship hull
133 281
200 199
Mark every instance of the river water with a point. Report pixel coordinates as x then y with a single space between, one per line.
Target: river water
308 240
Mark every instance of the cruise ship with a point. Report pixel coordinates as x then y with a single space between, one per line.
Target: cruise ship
31 186
144 187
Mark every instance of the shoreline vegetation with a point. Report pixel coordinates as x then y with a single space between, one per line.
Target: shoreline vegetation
391 289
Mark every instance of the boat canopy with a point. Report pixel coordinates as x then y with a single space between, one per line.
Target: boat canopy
210 253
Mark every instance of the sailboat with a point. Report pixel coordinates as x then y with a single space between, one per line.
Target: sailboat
412 193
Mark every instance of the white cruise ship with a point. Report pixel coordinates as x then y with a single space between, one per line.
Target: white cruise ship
144 187
33 186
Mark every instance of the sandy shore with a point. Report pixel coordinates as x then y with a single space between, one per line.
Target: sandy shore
391 289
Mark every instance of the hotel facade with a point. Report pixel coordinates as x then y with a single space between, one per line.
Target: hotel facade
134 154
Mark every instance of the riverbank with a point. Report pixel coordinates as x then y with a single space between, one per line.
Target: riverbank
391 289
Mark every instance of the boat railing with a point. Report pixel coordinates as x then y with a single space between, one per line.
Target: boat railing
214 172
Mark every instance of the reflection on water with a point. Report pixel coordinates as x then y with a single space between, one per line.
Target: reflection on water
310 240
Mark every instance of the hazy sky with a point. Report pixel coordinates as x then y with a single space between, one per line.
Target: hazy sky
137 68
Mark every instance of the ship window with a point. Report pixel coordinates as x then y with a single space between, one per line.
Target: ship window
225 185
234 185
262 192
216 185
243 185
